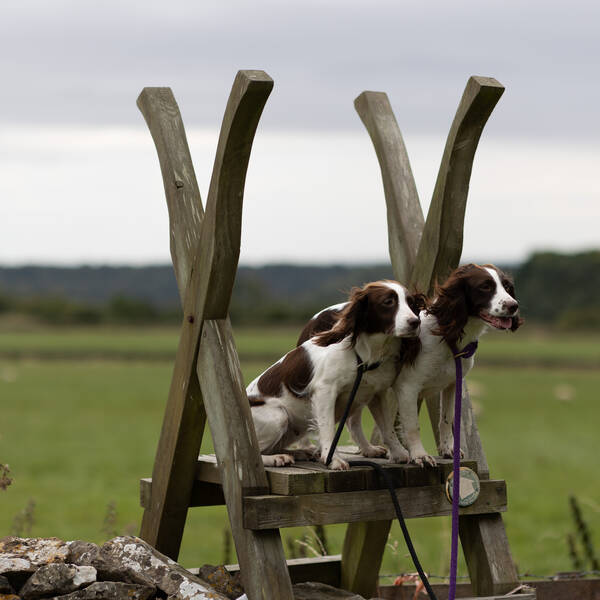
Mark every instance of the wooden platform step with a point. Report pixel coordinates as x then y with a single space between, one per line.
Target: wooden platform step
311 477
310 494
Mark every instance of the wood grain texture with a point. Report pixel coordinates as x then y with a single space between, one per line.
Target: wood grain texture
260 553
323 569
442 239
265 512
160 110
404 215
314 477
363 553
183 424
487 553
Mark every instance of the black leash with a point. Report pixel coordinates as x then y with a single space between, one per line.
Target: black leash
360 370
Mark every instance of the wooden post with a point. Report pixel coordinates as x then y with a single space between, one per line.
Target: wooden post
420 254
210 262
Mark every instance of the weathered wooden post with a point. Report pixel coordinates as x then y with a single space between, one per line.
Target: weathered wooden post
207 382
422 253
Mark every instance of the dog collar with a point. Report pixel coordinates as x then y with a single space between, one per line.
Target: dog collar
466 352
364 366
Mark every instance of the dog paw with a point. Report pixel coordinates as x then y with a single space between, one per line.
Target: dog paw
374 452
422 459
337 463
399 457
446 450
282 460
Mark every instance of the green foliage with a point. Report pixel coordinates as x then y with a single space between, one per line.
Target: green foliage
561 288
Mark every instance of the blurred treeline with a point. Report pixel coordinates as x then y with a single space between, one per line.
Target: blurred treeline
562 290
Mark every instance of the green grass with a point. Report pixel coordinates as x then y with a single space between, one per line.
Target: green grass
79 434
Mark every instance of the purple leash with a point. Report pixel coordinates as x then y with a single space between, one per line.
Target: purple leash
466 352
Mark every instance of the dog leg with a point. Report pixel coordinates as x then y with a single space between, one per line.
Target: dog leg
408 408
358 435
383 409
271 424
324 413
446 446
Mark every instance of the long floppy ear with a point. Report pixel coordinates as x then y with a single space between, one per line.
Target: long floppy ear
416 302
352 321
450 308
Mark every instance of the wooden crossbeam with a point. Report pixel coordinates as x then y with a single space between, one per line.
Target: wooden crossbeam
265 512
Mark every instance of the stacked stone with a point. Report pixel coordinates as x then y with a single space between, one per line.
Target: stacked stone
123 568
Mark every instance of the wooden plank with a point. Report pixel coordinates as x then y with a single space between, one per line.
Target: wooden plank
404 213
203 494
322 569
183 424
487 554
463 591
260 553
265 512
363 553
282 480
441 243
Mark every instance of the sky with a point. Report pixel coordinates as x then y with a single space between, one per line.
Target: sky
79 177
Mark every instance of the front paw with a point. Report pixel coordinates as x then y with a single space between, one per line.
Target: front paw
421 458
282 460
446 450
399 456
374 452
337 463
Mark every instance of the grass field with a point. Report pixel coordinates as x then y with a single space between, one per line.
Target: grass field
79 429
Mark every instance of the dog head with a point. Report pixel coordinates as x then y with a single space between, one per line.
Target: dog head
380 307
474 291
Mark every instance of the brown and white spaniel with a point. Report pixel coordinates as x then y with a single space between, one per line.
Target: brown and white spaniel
308 388
473 300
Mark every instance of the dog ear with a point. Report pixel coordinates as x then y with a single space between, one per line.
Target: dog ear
416 302
352 321
355 314
450 307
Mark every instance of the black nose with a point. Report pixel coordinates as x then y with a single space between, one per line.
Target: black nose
414 322
511 306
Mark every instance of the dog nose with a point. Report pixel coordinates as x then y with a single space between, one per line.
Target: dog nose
414 322
511 306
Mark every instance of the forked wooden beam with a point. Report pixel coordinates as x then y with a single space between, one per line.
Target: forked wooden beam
423 253
404 214
442 241
211 260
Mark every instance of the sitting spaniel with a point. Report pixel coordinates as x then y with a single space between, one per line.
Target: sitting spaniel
309 387
473 300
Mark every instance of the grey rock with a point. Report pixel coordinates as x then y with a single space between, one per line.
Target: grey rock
36 551
222 580
5 586
108 569
321 591
56 579
111 590
142 561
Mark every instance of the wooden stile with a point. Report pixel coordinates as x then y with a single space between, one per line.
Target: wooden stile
207 384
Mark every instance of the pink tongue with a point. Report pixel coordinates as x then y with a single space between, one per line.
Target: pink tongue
505 322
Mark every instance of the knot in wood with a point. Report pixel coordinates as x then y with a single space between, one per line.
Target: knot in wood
190 318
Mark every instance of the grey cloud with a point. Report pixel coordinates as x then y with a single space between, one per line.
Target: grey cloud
81 62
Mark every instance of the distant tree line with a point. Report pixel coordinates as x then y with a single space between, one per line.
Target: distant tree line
557 289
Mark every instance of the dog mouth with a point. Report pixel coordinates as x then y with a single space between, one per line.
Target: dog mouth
497 322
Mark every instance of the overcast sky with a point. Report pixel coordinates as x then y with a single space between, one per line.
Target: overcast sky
79 180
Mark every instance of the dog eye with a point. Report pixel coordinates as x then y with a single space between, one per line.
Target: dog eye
485 286
391 301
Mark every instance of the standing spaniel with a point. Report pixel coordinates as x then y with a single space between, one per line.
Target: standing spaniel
472 300
308 388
